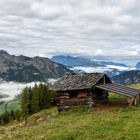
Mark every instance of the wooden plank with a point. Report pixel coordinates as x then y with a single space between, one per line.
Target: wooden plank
121 93
123 87
119 88
116 88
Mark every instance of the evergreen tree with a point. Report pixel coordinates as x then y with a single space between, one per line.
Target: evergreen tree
17 115
12 114
25 101
5 118
35 99
29 104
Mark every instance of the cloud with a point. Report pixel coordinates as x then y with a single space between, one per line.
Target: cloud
81 27
98 52
102 69
16 88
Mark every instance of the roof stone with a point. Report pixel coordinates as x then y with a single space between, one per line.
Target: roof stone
77 82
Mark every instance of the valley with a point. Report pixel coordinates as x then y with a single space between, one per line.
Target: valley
69 70
17 72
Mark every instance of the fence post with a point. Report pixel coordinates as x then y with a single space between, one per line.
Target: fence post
136 101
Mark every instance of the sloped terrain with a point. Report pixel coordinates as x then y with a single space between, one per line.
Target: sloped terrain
128 77
102 122
26 69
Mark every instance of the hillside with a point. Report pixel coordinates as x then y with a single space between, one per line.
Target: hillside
128 77
103 122
26 69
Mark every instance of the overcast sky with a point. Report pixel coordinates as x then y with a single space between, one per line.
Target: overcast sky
78 27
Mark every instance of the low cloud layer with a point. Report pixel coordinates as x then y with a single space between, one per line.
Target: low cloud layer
12 89
78 27
103 69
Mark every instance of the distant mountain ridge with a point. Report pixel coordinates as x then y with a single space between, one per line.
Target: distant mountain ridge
26 69
138 65
81 61
73 61
128 77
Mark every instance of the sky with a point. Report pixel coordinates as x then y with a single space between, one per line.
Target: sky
71 27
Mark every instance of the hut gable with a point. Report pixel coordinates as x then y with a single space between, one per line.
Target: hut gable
78 82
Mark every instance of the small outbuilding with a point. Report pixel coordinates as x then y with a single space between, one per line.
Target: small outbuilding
89 89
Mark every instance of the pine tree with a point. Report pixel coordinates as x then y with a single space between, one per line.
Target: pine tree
35 99
25 101
44 96
12 114
17 115
41 97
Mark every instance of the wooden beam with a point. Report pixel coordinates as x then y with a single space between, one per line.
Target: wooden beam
104 80
118 92
130 101
91 100
119 89
136 100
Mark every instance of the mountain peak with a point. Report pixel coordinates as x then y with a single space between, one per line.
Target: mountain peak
5 55
138 65
4 52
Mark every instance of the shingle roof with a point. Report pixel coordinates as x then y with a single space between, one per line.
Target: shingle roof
77 82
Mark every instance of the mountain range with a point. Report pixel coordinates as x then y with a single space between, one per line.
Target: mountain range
86 65
26 69
127 77
71 61
138 65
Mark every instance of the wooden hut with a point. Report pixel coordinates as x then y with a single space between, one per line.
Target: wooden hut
89 89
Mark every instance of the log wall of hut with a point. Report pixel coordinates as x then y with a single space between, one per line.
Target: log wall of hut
68 99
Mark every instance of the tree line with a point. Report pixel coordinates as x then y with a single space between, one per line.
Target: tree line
33 99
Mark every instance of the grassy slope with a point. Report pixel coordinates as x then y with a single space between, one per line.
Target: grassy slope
104 122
